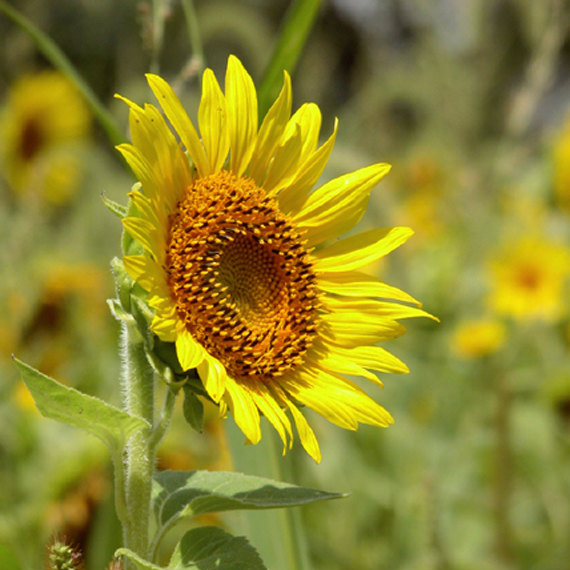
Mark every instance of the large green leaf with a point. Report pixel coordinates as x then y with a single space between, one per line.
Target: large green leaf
205 548
68 405
178 494
211 548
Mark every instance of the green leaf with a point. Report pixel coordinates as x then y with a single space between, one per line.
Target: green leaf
211 548
68 405
298 23
178 494
193 409
118 209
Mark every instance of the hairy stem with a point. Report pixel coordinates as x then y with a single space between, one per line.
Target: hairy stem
138 386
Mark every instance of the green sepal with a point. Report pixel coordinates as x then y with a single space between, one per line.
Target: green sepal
128 244
118 209
123 284
139 562
143 316
117 310
68 405
193 409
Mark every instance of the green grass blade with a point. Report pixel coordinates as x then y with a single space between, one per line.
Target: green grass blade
60 61
298 23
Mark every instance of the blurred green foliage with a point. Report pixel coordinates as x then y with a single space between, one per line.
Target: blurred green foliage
467 101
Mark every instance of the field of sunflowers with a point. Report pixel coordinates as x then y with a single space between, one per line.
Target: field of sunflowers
469 102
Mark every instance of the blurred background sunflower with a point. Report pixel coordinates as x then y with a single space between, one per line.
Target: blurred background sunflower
468 100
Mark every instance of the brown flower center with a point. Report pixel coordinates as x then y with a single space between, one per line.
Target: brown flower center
241 278
31 139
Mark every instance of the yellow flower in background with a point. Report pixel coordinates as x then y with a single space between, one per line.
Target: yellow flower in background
41 124
478 337
561 158
238 260
528 278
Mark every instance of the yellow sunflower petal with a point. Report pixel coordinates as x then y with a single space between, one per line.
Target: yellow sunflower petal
244 410
346 394
180 120
372 357
351 329
190 353
156 145
165 328
212 121
355 251
141 169
338 205
267 405
143 231
144 270
292 197
271 131
310 391
308 120
373 308
306 434
332 362
213 376
356 284
241 99
284 166
147 210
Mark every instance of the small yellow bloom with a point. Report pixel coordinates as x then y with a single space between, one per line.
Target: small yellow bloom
528 279
41 124
238 264
478 337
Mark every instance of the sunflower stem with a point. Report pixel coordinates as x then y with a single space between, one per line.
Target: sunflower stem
138 387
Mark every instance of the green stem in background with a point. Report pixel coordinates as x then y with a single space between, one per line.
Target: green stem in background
59 60
292 38
198 61
157 34
540 71
138 387
276 534
503 472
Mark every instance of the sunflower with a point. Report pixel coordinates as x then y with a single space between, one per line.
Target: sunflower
240 261
475 338
42 123
528 278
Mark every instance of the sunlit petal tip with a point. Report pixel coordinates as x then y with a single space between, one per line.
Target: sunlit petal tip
130 103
